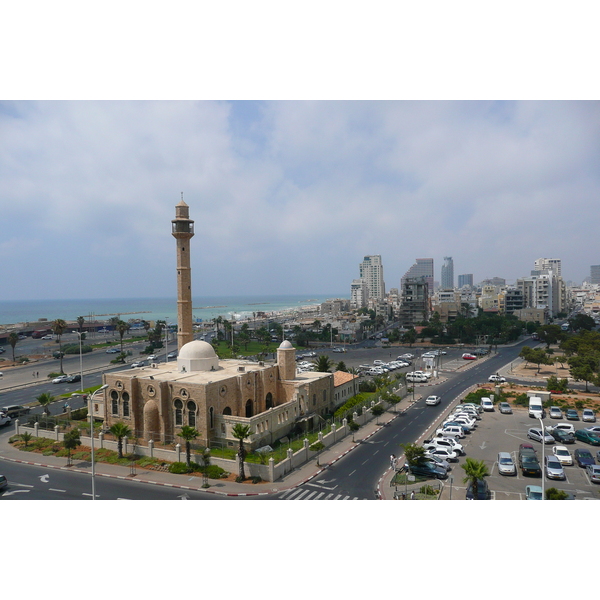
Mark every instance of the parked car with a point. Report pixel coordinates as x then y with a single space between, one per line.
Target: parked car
433 400
4 419
482 491
73 378
533 492
496 379
572 415
593 472
444 442
555 412
506 465
15 410
445 453
563 455
112 351
535 433
450 431
428 469
583 435
528 461
553 467
505 408
563 437
563 426
468 356
594 429
588 415
3 482
583 458
487 404
439 461
152 357
60 379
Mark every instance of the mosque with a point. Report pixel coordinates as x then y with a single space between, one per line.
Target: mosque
209 394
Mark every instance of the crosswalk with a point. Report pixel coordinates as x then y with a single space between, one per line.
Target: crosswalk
303 494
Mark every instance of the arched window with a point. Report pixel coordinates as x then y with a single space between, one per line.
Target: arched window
211 417
178 412
227 410
249 408
191 406
125 405
115 407
269 401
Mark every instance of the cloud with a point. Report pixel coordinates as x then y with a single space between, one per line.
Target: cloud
289 196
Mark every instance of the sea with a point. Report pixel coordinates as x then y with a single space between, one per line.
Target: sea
205 308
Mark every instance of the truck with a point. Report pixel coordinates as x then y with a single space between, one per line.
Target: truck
536 410
39 333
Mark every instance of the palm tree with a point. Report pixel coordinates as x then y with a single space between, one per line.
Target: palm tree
80 323
122 328
26 437
120 430
323 364
45 400
59 326
474 471
71 441
13 338
188 434
241 432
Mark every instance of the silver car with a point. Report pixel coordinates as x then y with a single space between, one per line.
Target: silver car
555 412
554 469
536 434
506 465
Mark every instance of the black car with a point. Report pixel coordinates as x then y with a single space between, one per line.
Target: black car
73 378
584 457
530 465
428 470
563 437
483 491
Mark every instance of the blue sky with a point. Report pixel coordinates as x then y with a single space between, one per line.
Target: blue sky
288 196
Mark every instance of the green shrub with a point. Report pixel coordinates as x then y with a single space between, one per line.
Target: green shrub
521 400
74 349
179 468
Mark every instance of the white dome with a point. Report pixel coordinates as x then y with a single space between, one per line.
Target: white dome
286 345
197 349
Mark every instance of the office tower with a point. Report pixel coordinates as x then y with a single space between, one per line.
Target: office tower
448 273
371 270
595 274
549 264
465 281
423 267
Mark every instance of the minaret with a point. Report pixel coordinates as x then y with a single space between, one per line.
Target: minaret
183 231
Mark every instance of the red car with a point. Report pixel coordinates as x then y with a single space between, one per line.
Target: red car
468 356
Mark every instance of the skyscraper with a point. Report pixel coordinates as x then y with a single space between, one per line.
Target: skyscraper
465 280
371 270
423 267
448 273
595 274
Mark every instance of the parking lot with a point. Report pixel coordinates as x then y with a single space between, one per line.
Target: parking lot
497 432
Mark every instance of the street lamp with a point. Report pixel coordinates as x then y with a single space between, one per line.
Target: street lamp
80 360
543 446
166 340
91 410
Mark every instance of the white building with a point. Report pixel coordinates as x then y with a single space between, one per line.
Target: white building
371 270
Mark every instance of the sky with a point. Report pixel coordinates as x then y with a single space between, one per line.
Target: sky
289 196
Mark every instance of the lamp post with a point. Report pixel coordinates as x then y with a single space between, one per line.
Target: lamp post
80 361
91 410
166 340
543 447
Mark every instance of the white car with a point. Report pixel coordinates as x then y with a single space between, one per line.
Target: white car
487 404
4 419
496 379
407 355
152 357
60 379
425 374
448 455
410 377
463 420
433 400
568 427
444 442
453 431
563 455
139 363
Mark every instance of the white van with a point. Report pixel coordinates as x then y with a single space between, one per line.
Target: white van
536 411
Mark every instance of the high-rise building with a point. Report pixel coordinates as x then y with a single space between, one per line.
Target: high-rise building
549 264
415 301
371 270
359 293
448 273
465 280
595 274
423 267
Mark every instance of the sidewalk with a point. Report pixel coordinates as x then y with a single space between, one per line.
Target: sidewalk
224 488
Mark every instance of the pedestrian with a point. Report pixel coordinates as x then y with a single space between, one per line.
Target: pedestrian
393 461
33 374
412 495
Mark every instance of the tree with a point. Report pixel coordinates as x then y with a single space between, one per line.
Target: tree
241 432
26 437
120 430
341 366
45 400
71 441
354 427
584 368
409 337
13 338
550 334
205 458
537 356
59 326
582 321
80 323
323 364
122 328
474 471
377 411
555 494
188 434
415 454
